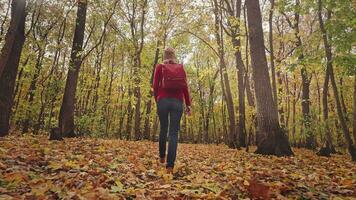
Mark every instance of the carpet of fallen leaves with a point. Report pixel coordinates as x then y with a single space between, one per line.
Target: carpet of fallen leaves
84 168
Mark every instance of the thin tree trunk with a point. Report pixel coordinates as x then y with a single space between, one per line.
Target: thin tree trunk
319 97
129 114
273 140
294 103
344 109
233 10
66 115
137 66
149 101
249 94
9 62
328 53
233 142
329 141
273 69
32 90
108 96
155 127
354 111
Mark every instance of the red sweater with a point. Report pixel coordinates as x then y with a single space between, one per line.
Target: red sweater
160 92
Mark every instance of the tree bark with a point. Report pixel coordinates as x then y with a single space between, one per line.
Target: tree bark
66 115
310 137
329 141
343 104
328 53
137 65
9 62
232 142
32 90
236 42
273 68
354 111
273 140
149 101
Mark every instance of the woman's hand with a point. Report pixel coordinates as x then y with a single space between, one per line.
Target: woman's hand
188 111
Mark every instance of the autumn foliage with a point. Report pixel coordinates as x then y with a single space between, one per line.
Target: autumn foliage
32 167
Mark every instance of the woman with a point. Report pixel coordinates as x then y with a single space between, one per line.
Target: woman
169 97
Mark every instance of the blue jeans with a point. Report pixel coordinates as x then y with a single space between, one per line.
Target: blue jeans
169 112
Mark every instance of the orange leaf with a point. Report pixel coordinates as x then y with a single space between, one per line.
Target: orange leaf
258 190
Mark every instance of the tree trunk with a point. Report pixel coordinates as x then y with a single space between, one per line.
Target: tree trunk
129 115
354 111
137 95
329 141
240 80
273 140
273 69
32 90
329 66
286 80
66 115
149 101
9 62
310 137
250 97
233 10
343 104
232 142
294 103
309 133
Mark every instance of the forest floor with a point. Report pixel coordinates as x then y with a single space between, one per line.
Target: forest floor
84 168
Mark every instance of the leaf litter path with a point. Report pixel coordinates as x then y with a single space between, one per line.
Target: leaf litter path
84 168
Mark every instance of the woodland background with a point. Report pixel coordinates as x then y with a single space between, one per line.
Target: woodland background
124 39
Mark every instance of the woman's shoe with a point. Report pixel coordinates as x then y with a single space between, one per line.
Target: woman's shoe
169 170
162 160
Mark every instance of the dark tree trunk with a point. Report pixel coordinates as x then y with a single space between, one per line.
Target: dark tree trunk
129 115
210 105
155 127
66 115
9 62
137 95
286 80
343 104
18 87
32 90
329 66
240 78
273 140
310 137
138 33
149 101
232 141
273 69
233 10
329 142
294 102
354 110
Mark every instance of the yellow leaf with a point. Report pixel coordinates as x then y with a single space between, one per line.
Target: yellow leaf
72 164
246 183
55 165
41 188
167 177
16 177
